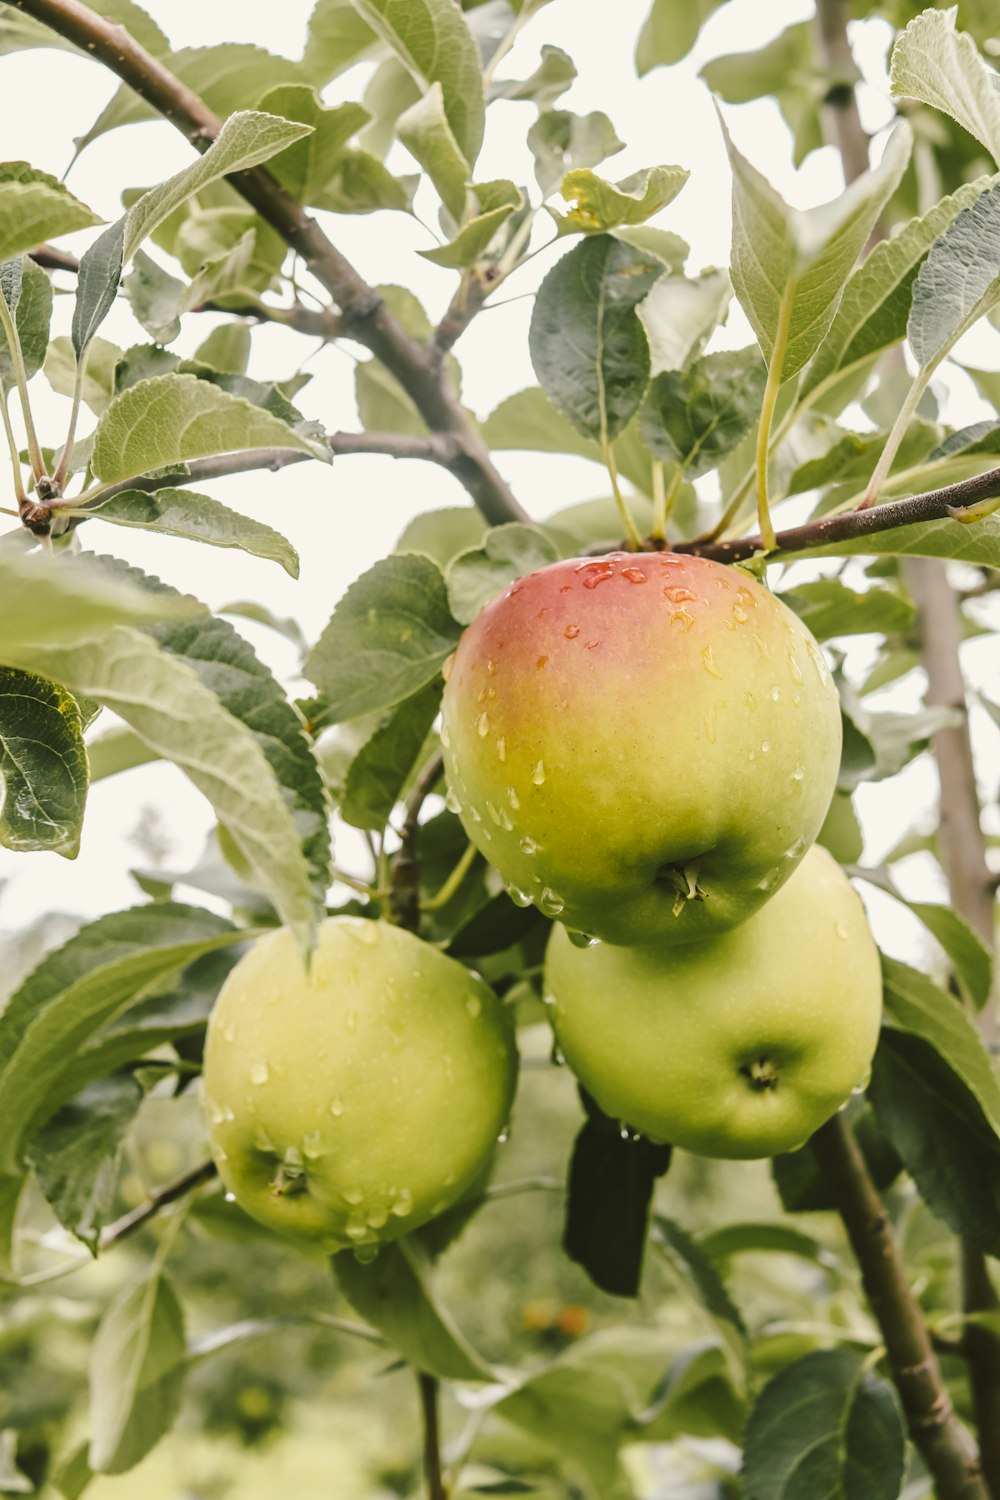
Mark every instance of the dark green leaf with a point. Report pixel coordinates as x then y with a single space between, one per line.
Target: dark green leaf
226 349
388 637
97 284
33 312
801 1181
154 296
505 554
76 1156
381 769
43 765
561 141
610 1189
830 609
198 518
695 416
588 346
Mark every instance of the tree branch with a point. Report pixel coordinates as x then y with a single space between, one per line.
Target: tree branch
158 1198
943 1443
404 885
429 1393
364 316
935 505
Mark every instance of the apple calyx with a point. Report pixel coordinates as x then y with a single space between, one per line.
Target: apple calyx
290 1178
683 879
761 1074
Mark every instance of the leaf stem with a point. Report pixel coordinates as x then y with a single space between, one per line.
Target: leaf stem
896 436
771 390
664 499
454 880
632 536
17 360
15 457
59 477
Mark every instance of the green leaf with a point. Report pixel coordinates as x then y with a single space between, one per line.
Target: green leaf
585 1415
801 1178
970 958
386 639
915 1004
35 207
426 134
390 90
227 348
433 41
876 302
394 1294
442 534
154 296
76 1156
681 313
599 205
198 518
588 346
306 167
93 978
940 66
19 32
702 1278
841 831
693 418
936 1125
669 32
498 200
609 1192
199 697
380 771
337 39
767 1238
142 362
383 405
360 184
825 1426
528 420
32 315
162 422
136 1374
790 70
830 609
227 78
804 257
480 573
58 600
97 283
561 141
98 376
553 76
43 765
958 281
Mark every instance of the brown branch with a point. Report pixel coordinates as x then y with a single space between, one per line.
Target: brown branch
943 1443
364 316
431 1420
404 885
158 1199
935 505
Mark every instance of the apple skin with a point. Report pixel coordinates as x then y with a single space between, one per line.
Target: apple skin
353 1104
620 731
740 1046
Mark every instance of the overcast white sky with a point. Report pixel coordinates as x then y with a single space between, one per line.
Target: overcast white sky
341 519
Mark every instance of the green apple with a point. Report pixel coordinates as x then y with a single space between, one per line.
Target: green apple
351 1104
739 1046
642 745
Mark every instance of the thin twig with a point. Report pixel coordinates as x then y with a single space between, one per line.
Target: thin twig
158 1199
404 882
364 315
429 1393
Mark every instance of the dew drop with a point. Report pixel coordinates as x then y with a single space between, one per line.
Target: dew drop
840 930
528 845
765 746
550 902
513 798
581 939
215 1114
677 594
634 575
312 1145
775 694
403 1205
474 1005
709 662
230 1197
493 813
377 1217
229 1033
538 774
258 1073
451 801
365 1254
589 646
353 1196
519 897
262 1140
555 1056
356 1229
793 664
503 1137
683 619
740 614
447 665
336 1108
483 725
445 736
501 748
571 632
798 776
491 667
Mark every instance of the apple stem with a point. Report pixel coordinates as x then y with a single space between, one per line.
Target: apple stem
771 390
429 1389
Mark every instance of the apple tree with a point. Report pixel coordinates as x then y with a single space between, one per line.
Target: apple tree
600 781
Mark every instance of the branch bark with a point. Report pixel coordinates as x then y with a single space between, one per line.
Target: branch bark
430 1415
944 1445
363 315
157 1200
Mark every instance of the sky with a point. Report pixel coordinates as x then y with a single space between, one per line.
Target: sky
344 517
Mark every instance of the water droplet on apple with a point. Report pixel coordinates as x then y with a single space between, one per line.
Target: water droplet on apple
634 575
683 619
797 777
377 1216
503 1137
365 1254
581 939
258 1073
447 665
353 1196
538 774
483 725
501 748
445 736
230 1197
336 1108
474 1005
229 1033
677 594
740 614
571 632
555 1056
312 1145
708 661
491 667
528 845
513 798
775 694
451 801
765 746
795 669
356 1229
550 903
519 897
841 932
493 813
403 1204
215 1114
262 1140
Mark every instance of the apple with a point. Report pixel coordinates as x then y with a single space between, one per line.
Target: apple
740 1046
644 745
351 1104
